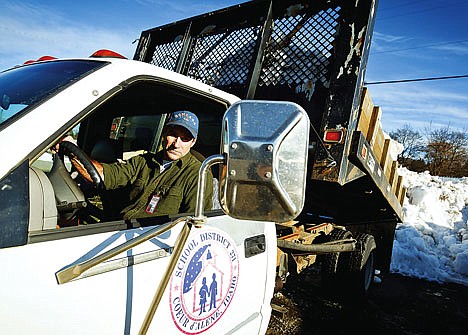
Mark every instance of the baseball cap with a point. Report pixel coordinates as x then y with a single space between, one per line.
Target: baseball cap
185 119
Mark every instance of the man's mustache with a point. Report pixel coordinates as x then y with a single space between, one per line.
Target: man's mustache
172 147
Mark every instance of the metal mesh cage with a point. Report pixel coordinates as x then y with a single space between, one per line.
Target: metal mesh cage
293 56
224 59
298 50
165 55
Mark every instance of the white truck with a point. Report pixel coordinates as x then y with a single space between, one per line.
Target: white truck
72 265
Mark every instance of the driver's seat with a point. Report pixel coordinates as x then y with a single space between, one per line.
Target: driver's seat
113 201
68 196
107 150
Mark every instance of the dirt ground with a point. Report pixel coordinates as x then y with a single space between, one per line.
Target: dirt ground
397 305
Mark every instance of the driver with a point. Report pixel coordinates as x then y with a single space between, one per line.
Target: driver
164 183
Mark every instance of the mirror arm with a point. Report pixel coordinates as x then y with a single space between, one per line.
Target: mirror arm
75 270
199 218
178 247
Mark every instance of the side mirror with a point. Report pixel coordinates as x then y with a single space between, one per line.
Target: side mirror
265 144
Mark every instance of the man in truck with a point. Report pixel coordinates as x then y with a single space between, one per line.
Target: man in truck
164 183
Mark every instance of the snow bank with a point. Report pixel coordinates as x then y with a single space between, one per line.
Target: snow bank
432 242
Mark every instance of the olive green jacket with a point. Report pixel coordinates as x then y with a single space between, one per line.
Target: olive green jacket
176 187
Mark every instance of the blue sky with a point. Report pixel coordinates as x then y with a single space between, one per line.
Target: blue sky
412 39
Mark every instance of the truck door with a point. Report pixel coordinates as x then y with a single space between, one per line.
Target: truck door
228 259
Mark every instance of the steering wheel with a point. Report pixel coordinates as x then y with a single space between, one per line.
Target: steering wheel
67 147
89 213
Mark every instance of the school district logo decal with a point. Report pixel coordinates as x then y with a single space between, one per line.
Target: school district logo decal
204 280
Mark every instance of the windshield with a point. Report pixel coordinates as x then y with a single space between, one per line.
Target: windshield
29 85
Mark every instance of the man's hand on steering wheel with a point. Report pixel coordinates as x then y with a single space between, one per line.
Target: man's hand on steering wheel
90 169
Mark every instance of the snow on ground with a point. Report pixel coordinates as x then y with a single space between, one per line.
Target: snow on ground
432 242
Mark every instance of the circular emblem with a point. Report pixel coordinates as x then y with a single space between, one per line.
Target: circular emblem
204 280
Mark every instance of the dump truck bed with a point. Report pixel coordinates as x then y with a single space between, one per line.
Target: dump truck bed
313 53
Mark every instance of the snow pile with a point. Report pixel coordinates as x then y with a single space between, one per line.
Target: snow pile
432 242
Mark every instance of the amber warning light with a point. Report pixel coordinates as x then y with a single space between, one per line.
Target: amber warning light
43 58
107 53
334 135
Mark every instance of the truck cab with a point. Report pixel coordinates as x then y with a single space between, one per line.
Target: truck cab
71 263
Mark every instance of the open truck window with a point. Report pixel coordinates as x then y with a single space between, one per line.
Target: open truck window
127 121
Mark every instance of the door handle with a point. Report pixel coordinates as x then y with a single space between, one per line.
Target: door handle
254 245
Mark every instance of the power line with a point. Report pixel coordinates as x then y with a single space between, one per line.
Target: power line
411 80
423 10
413 2
418 47
401 5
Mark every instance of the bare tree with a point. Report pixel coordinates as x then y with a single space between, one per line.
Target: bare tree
446 152
412 142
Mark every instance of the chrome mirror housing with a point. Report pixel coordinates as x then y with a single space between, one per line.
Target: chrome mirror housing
265 144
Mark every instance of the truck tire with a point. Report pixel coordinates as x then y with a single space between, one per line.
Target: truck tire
329 262
356 269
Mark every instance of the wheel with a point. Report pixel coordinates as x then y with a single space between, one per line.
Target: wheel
357 268
329 262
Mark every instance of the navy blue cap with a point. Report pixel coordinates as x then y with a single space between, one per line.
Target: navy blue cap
185 119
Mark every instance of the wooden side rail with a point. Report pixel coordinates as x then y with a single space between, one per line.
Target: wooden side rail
382 145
